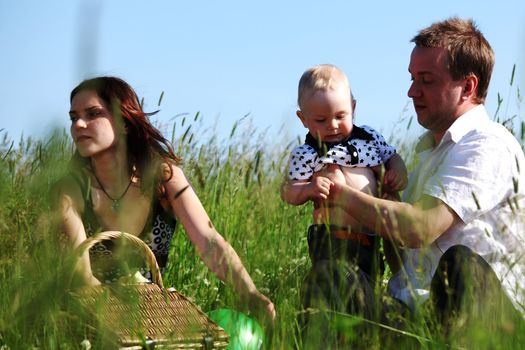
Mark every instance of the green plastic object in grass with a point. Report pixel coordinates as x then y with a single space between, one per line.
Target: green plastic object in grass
245 333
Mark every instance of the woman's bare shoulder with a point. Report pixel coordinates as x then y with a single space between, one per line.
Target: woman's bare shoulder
67 189
171 172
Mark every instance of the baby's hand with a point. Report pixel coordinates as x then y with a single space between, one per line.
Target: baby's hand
319 188
394 181
333 173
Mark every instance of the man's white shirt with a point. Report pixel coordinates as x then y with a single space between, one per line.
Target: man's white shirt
477 170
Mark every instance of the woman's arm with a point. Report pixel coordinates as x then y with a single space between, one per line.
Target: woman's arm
213 249
74 232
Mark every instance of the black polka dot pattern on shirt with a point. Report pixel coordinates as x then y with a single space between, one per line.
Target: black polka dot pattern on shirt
304 159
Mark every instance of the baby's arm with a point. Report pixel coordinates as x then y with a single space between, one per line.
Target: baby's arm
302 184
395 178
297 192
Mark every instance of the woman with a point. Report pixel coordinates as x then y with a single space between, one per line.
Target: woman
125 177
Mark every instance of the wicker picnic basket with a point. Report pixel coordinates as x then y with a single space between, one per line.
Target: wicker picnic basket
146 315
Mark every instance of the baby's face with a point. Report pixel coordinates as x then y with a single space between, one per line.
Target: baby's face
328 114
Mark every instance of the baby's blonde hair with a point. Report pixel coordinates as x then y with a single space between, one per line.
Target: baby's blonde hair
321 77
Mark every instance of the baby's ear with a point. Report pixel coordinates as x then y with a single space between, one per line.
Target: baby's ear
301 116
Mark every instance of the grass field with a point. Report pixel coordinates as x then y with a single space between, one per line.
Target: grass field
238 180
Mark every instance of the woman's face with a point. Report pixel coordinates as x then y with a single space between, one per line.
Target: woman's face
92 124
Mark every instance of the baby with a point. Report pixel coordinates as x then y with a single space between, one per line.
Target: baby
335 150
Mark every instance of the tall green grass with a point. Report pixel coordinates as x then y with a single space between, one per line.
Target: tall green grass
238 180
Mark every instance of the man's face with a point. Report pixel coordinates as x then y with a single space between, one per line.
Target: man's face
328 114
436 96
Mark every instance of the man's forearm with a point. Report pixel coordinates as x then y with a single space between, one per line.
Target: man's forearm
409 225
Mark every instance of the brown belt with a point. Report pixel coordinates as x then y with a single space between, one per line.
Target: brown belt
362 238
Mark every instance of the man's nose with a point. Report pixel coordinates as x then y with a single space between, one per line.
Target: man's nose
413 90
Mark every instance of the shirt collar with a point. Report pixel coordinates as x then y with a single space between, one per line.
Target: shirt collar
461 126
323 147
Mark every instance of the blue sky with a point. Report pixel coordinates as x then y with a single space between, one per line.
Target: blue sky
229 58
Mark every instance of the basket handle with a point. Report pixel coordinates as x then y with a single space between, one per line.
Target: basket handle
151 261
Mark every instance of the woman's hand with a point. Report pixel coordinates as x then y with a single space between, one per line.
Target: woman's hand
261 306
212 248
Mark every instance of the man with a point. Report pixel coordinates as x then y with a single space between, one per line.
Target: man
461 220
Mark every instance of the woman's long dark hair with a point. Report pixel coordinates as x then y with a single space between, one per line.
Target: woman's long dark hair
146 147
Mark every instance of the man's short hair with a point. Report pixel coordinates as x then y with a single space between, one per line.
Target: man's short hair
468 50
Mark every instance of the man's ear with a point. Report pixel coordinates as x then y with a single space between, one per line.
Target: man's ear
354 103
301 116
470 89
